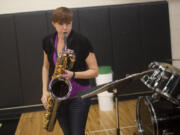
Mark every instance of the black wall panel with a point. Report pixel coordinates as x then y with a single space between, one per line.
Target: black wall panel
127 56
11 94
127 37
94 23
31 29
155 33
75 25
51 29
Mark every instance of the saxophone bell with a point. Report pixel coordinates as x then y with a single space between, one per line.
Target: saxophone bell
60 88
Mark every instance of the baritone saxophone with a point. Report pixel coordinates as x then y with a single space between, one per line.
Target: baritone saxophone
59 87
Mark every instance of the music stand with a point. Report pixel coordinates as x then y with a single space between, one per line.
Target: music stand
113 87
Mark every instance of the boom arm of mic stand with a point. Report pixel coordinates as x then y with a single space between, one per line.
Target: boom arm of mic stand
112 85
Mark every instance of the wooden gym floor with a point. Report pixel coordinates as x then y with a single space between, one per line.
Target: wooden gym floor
99 122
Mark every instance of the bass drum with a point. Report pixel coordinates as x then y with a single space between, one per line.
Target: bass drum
157 116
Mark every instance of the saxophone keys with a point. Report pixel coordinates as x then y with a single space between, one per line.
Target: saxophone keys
64 54
47 115
45 124
50 100
45 120
49 107
58 70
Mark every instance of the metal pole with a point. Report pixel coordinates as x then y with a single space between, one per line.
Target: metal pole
117 113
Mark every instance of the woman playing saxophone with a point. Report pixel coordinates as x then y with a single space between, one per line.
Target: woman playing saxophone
72 113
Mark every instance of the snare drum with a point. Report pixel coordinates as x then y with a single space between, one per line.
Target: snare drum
157 117
165 80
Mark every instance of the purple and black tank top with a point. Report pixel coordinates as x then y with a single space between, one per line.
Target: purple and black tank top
76 87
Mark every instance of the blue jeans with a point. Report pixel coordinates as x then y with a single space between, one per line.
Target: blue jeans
72 116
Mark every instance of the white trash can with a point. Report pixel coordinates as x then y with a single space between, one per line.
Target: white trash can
105 99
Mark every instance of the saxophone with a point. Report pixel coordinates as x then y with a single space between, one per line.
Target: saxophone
59 87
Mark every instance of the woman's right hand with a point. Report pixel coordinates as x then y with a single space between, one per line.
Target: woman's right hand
44 99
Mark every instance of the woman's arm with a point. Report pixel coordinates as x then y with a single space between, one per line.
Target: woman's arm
45 74
92 71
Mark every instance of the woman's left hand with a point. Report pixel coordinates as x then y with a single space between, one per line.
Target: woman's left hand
68 74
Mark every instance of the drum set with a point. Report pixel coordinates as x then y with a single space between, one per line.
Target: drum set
159 114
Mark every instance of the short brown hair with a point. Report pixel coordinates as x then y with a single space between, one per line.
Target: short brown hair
62 15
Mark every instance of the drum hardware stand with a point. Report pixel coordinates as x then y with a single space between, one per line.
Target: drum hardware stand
117 112
165 132
115 91
155 96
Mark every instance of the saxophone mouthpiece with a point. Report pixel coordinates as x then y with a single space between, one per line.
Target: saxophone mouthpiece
65 35
65 38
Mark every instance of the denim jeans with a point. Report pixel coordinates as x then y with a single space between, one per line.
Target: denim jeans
72 116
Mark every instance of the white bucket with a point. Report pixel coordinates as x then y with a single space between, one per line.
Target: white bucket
103 78
105 99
